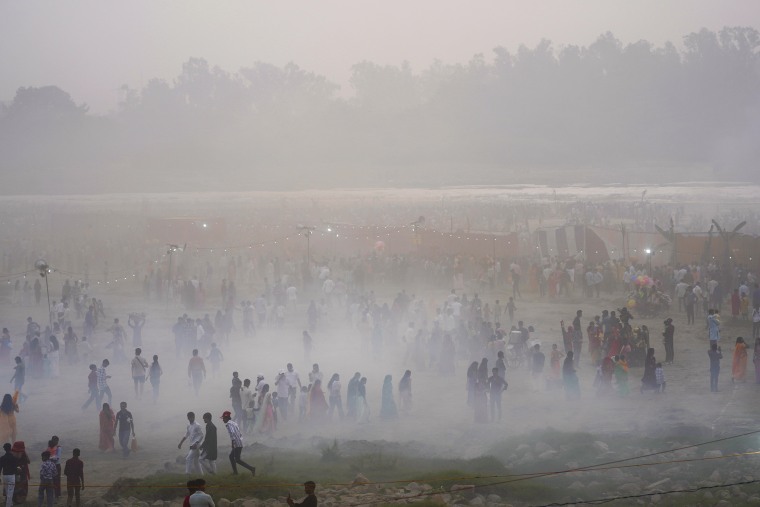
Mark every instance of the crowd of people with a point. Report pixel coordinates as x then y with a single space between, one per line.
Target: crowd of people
408 334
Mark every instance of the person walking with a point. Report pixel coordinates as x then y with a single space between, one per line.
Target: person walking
294 384
496 386
107 421
8 465
19 377
196 370
92 387
194 435
690 301
125 425
139 368
8 409
103 377
209 446
237 444
74 472
715 356
47 476
334 398
154 373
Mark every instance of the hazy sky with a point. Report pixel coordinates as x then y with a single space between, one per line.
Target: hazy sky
91 47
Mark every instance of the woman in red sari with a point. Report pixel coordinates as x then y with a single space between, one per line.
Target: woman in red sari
317 403
614 343
107 422
739 365
736 304
269 422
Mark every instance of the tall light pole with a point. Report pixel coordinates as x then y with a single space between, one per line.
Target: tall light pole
42 266
306 230
648 251
169 252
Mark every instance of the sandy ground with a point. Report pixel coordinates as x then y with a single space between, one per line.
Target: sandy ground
440 420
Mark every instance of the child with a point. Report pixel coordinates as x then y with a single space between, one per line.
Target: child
659 375
47 476
74 472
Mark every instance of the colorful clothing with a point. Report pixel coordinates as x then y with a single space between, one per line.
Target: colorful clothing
739 365
107 421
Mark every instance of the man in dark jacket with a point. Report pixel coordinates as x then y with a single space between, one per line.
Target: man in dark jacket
208 447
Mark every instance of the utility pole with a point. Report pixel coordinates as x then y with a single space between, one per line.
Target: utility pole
170 252
42 266
307 230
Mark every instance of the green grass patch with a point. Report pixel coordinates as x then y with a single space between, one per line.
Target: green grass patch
278 473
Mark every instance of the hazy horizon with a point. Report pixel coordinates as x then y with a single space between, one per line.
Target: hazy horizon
129 43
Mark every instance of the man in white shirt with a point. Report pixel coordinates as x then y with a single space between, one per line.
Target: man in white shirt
281 385
248 399
294 384
681 293
259 383
697 290
194 435
139 367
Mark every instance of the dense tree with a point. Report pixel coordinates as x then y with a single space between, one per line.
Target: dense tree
607 105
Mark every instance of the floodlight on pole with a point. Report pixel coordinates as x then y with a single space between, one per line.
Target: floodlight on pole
306 230
42 266
170 251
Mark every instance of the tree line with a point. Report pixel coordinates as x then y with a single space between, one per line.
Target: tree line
608 105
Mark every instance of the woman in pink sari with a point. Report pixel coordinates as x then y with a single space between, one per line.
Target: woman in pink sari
268 423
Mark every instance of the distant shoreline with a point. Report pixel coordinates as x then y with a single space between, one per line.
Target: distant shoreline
715 193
